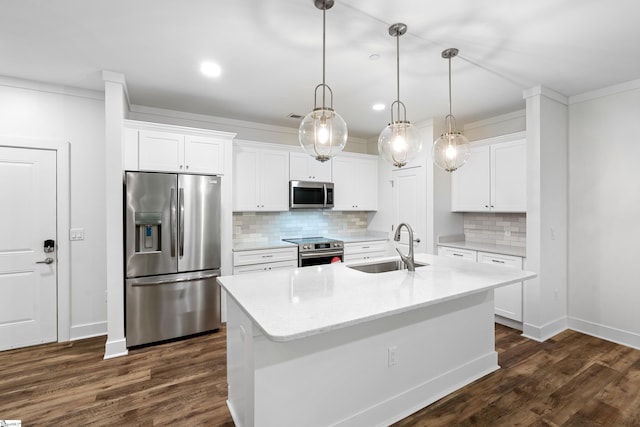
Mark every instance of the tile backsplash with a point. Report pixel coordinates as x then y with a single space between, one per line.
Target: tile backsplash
496 228
257 227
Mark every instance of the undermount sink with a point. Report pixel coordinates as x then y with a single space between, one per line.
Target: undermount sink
383 267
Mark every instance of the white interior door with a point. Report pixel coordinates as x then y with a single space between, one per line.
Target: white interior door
28 274
410 206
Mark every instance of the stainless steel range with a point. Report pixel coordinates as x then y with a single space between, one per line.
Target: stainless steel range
318 250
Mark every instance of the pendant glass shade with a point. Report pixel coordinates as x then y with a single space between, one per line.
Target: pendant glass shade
452 149
323 133
399 143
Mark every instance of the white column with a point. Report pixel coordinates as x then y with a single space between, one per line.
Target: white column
115 111
545 297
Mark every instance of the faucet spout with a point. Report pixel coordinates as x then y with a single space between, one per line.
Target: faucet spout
408 259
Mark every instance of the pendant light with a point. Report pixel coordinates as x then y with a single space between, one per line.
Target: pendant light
451 150
323 133
400 141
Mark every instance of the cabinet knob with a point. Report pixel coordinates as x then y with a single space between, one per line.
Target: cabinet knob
180 166
187 166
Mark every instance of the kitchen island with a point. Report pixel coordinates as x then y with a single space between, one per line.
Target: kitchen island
331 345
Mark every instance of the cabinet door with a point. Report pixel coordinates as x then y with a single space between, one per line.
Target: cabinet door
509 176
203 155
345 189
507 299
356 183
303 167
160 151
470 184
245 179
367 185
273 183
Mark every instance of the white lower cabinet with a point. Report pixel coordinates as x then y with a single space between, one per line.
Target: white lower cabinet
507 299
363 251
264 260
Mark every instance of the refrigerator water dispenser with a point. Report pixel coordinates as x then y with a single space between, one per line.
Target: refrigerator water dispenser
148 232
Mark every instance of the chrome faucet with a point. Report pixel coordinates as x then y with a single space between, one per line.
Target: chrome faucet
407 259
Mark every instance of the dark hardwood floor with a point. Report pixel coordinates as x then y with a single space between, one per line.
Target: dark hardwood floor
570 380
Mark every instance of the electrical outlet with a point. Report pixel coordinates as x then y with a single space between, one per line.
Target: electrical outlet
393 355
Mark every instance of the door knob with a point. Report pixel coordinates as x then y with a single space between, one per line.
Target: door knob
417 240
45 261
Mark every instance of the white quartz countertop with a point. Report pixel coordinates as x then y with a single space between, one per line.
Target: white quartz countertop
301 302
487 247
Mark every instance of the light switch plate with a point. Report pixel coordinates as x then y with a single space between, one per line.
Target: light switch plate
76 234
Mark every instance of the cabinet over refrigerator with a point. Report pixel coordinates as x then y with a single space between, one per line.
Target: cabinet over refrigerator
172 255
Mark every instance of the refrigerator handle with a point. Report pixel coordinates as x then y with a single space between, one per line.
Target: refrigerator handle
173 224
181 231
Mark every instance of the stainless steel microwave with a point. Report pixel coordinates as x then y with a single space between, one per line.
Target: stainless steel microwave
310 195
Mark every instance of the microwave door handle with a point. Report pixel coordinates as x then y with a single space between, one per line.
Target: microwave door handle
324 188
172 220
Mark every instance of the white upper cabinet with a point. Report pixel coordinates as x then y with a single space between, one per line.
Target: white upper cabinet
355 179
494 179
260 177
303 167
166 148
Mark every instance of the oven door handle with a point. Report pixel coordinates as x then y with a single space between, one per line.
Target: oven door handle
322 254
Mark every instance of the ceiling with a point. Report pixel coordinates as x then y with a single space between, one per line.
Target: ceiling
271 53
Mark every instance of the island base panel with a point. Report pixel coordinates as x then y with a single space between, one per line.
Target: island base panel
348 377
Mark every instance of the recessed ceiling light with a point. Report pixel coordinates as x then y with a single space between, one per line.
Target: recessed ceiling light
210 69
378 107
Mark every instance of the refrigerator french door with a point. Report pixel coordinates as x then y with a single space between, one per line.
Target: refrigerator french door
172 255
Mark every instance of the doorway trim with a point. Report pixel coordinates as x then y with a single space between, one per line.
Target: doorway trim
62 149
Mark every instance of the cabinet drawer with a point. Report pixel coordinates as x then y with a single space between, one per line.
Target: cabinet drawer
365 256
457 253
499 259
269 266
362 247
262 256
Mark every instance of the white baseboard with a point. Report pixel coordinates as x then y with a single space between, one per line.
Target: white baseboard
546 331
514 324
115 348
88 330
629 339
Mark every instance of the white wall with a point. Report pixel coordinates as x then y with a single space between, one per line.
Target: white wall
41 111
604 213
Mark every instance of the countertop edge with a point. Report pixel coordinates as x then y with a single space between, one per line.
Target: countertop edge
526 275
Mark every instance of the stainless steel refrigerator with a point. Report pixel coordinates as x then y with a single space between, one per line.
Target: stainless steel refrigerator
172 255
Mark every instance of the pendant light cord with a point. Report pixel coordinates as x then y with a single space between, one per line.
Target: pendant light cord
324 37
398 71
450 110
